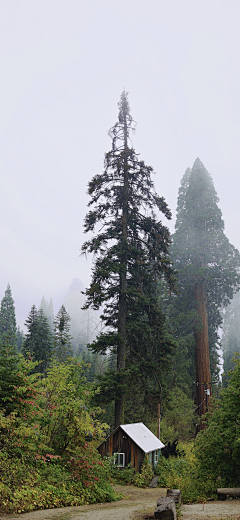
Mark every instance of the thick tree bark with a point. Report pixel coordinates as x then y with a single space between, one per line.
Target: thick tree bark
119 403
203 374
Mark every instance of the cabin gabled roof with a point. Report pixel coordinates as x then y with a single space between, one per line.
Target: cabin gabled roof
142 436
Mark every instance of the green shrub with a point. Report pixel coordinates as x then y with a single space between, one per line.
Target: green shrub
78 481
44 459
144 478
127 475
183 473
218 446
118 475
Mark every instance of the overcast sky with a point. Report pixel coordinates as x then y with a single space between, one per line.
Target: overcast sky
64 65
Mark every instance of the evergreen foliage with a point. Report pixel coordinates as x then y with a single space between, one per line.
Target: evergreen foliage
208 271
8 379
38 340
8 351
131 249
20 339
8 327
62 338
218 447
48 311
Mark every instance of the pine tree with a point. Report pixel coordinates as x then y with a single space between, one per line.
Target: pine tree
38 340
48 311
50 315
208 272
8 351
131 250
8 378
44 306
62 338
8 327
20 339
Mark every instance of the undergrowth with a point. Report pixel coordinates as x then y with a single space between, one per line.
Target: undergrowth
127 475
183 473
24 488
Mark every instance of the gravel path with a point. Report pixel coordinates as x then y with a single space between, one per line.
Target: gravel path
136 501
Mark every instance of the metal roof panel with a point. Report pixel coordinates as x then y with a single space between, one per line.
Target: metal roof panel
142 436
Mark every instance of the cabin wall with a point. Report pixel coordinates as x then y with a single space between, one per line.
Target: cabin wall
119 442
153 457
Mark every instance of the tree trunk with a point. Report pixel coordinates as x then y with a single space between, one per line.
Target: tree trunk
119 403
203 375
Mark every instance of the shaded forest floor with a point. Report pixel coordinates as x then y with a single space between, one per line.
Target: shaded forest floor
137 504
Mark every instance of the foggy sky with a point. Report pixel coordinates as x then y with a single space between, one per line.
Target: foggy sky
64 65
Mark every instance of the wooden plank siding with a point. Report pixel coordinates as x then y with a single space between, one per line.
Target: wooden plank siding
120 442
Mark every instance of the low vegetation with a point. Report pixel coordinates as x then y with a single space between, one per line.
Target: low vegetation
183 473
212 460
127 475
45 459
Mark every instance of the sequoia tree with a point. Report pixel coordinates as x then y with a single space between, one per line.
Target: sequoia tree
208 270
130 246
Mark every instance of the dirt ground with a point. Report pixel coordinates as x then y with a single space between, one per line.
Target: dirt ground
137 504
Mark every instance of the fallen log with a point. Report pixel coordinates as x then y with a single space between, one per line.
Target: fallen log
223 492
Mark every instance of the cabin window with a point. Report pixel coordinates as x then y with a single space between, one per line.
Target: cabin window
156 457
119 459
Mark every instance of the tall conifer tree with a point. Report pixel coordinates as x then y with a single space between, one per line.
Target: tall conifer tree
8 327
131 247
48 311
38 340
208 269
62 337
8 351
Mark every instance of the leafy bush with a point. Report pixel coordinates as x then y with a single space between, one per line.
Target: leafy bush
123 476
213 461
45 460
118 475
53 486
144 478
218 446
127 475
183 473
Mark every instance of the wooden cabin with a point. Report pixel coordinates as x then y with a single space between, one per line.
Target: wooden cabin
130 443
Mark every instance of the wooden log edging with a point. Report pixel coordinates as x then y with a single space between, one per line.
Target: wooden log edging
175 494
223 492
166 509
